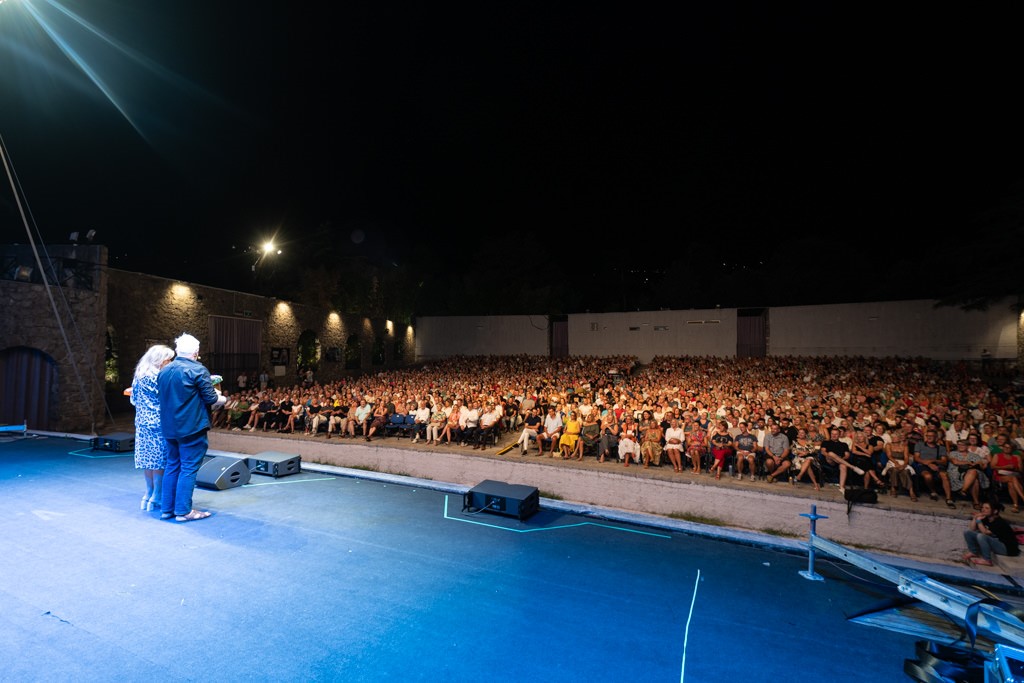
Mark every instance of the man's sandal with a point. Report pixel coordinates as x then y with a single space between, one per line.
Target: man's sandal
193 516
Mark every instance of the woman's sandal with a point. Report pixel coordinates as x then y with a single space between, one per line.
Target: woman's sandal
977 506
193 516
1016 508
950 503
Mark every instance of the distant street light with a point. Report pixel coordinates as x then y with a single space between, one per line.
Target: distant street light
267 249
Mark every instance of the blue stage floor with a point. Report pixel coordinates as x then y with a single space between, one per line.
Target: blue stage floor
323 577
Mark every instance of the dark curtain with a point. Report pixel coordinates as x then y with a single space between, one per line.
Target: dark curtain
28 381
234 346
750 333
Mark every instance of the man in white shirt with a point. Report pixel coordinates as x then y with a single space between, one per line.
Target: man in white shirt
421 417
489 421
469 423
552 431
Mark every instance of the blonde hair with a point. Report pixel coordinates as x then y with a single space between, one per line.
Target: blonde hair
152 360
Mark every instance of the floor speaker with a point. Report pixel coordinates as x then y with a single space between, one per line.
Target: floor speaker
274 464
222 472
514 500
118 442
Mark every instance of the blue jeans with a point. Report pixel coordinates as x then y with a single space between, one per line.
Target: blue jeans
184 456
980 544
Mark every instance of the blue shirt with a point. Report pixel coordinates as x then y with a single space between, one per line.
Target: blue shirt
186 393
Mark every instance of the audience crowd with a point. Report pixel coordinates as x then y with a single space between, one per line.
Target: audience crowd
902 425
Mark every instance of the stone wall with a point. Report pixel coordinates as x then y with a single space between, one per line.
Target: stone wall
149 309
61 311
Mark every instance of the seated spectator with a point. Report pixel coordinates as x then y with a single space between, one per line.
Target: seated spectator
746 451
453 426
898 466
989 534
570 435
1006 467
778 458
551 431
674 444
488 426
438 418
531 426
609 434
696 444
297 415
313 416
590 435
966 472
378 419
861 457
469 422
258 417
930 462
651 435
421 418
629 447
835 454
805 458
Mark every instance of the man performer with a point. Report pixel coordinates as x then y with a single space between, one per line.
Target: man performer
186 395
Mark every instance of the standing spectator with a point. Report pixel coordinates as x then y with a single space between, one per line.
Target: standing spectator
243 382
186 393
150 444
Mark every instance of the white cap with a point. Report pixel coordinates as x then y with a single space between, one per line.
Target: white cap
186 345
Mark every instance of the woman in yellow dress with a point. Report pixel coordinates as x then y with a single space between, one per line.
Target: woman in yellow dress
570 435
650 440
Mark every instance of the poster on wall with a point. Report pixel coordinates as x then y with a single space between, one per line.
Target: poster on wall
279 355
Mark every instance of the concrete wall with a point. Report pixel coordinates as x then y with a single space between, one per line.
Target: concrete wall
922 532
882 329
646 334
498 335
894 328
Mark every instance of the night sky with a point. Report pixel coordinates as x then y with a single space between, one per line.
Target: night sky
521 157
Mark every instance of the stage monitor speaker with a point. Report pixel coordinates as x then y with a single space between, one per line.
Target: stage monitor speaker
118 442
274 464
222 472
513 500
